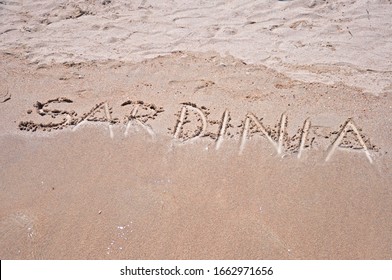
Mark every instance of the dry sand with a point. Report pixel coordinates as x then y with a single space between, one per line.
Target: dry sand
195 130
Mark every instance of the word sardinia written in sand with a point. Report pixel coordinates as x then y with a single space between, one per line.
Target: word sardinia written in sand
192 122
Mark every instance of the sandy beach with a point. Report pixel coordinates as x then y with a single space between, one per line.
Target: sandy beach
196 129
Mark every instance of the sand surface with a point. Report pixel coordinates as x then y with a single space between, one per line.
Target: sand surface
195 130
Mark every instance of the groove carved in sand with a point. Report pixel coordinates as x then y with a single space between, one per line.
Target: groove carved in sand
304 135
222 130
192 124
141 113
184 118
68 117
91 116
278 145
348 127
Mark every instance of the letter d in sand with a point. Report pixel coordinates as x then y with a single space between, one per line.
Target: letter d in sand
186 108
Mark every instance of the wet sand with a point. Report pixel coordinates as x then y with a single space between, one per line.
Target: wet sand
190 156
